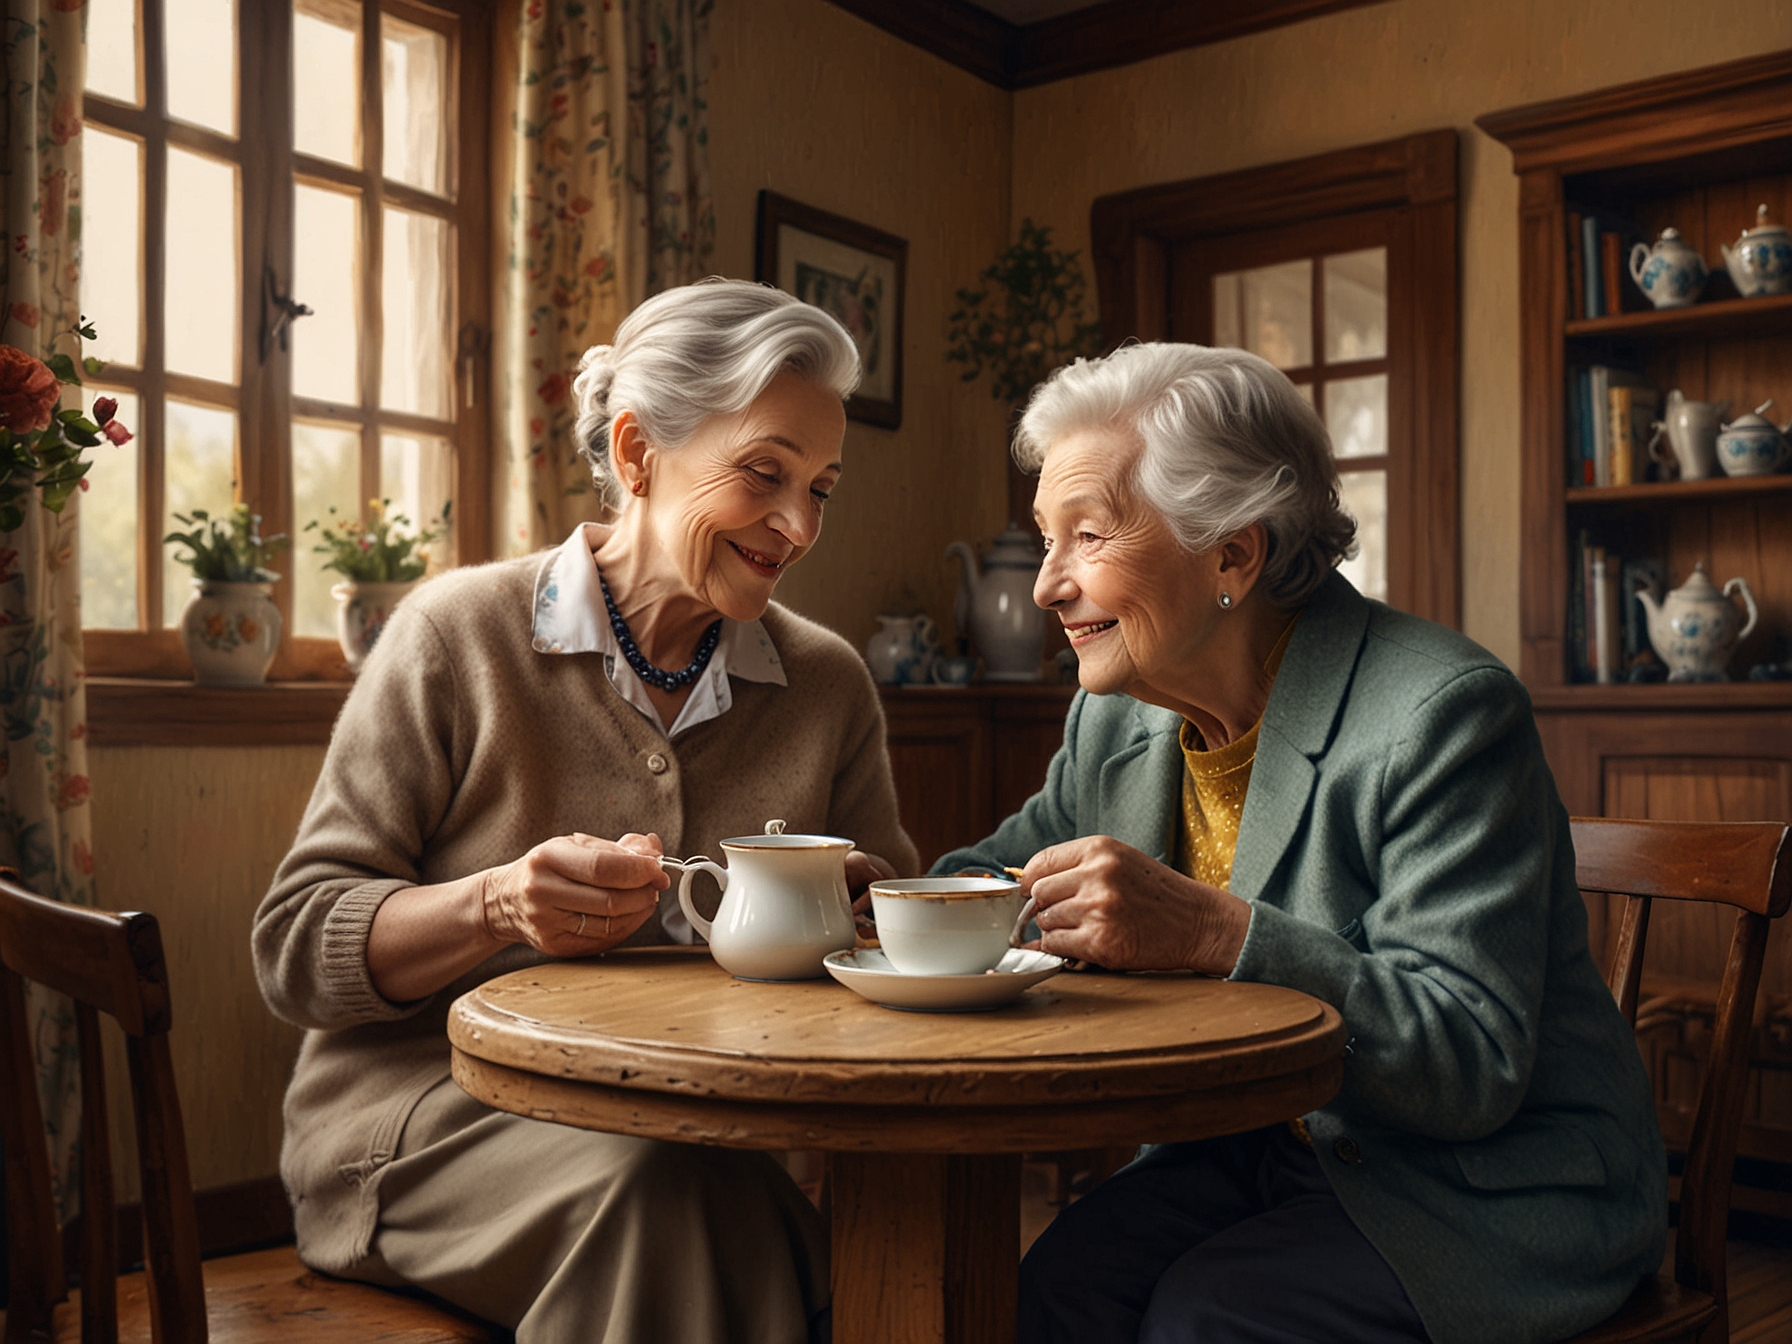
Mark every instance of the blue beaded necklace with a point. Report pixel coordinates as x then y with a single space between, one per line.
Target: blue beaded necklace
653 676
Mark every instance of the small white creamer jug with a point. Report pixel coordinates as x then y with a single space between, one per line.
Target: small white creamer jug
784 904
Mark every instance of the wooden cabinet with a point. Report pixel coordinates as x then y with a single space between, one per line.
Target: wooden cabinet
966 758
1697 151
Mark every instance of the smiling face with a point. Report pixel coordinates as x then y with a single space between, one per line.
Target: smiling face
741 502
1138 608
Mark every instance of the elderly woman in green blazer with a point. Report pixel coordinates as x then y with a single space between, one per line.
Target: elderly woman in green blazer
1269 777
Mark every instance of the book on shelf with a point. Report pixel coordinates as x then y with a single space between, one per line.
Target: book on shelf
1636 576
1632 407
1597 247
1606 652
1577 291
1580 667
1601 448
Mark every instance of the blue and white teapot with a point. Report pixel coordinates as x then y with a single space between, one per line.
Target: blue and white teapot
1761 261
1670 274
1752 445
1696 627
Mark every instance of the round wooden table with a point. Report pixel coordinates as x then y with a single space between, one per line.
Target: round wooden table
924 1116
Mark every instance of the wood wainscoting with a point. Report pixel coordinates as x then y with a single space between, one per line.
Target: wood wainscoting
1690 765
965 758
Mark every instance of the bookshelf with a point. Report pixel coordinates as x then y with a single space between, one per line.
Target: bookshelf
1697 151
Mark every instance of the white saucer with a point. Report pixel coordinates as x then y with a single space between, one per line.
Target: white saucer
867 971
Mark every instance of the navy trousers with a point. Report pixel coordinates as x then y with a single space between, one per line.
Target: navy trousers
1229 1241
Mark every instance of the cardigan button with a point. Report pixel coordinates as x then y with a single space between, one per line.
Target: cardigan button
657 763
1346 1151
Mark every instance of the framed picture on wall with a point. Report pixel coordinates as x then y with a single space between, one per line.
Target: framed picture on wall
852 271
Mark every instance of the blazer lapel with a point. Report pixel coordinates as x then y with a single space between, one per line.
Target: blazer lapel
1141 785
1297 727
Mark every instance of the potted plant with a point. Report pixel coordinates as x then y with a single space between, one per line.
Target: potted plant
380 561
230 626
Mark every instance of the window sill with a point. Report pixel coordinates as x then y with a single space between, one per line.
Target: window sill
140 712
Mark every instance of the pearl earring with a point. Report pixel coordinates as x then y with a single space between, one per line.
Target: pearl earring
1226 601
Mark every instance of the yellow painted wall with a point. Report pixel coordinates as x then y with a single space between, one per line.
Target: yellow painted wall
814 104
192 835
1366 75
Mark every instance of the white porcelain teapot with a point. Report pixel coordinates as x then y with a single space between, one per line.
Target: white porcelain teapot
995 604
784 904
1670 274
1696 628
1761 261
1752 445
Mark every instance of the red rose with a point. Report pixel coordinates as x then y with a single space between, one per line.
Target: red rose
28 391
74 791
115 431
104 408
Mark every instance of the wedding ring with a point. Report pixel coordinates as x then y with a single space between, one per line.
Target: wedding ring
580 931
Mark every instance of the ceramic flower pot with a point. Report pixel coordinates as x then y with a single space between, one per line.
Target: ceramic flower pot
231 631
362 610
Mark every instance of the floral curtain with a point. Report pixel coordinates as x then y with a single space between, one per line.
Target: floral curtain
45 828
610 202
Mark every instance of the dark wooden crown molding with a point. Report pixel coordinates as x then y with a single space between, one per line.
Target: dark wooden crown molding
1113 33
1669 116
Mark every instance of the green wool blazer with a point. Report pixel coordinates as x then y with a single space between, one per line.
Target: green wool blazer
1408 861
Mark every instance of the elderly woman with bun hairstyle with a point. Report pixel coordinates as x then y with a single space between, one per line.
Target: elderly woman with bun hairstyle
1270 778
526 741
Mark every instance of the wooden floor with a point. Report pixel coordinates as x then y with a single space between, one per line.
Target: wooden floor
1760 1265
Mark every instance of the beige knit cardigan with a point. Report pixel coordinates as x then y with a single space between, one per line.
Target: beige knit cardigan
459 749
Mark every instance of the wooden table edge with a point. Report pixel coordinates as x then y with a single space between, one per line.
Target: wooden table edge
1230 1108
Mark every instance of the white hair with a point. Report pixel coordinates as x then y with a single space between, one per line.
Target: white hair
698 351
1227 442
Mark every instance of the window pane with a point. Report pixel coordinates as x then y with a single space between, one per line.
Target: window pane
1356 416
112 50
414 363
417 475
202 266
109 528
1356 305
326 472
415 65
1365 497
326 42
200 467
326 345
1268 311
112 247
201 50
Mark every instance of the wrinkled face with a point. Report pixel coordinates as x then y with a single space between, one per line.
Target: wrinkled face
742 501
1137 607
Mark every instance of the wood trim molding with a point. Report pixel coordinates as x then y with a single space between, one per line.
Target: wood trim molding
1100 37
1132 235
1692 112
131 712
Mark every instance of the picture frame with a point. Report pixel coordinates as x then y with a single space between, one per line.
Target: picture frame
855 273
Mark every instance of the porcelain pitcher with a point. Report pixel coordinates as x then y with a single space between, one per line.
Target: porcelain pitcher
995 604
784 904
1696 627
1691 431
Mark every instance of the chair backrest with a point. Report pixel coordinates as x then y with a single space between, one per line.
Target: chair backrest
1747 865
111 964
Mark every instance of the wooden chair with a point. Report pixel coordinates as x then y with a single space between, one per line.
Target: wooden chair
113 964
1749 866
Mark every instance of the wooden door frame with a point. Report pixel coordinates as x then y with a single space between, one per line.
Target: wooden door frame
1132 234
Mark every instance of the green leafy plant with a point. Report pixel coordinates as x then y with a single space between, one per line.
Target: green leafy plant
378 551
1025 319
226 550
43 447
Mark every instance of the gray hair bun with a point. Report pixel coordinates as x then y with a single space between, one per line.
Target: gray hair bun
699 351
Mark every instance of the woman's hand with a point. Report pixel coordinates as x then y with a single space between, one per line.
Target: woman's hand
575 894
1101 901
862 870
